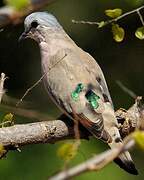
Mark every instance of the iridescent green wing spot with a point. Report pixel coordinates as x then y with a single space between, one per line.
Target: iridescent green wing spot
92 99
77 91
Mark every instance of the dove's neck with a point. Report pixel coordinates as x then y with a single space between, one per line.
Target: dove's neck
54 42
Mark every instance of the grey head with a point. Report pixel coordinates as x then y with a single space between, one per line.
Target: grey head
37 23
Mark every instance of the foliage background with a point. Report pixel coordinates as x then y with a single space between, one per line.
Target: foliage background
119 61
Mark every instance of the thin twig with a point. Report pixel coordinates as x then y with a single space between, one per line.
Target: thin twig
127 14
85 22
141 18
2 91
5 123
126 90
37 82
112 20
29 89
95 163
33 115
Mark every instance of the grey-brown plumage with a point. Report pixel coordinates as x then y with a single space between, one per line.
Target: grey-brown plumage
75 82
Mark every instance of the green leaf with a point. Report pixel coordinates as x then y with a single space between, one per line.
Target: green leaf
18 4
7 120
101 24
8 117
113 13
139 138
140 33
67 151
118 32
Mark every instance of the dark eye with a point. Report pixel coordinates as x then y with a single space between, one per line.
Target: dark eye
34 24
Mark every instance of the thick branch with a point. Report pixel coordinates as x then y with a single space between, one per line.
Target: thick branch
52 131
34 133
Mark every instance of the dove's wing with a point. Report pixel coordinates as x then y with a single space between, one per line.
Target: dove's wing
64 79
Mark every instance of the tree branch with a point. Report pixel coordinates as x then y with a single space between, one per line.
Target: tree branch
52 131
34 133
2 80
114 20
95 163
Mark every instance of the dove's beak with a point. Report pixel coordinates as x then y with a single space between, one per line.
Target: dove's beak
23 36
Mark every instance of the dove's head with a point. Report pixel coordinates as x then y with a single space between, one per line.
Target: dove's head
38 25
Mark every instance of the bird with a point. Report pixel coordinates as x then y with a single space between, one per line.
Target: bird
75 82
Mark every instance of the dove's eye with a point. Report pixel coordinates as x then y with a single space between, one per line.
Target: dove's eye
34 24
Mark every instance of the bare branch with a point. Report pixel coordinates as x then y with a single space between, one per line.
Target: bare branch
28 113
141 18
2 79
52 131
85 22
34 133
126 90
38 81
137 10
95 163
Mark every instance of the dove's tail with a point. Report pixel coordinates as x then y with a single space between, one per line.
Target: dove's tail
125 162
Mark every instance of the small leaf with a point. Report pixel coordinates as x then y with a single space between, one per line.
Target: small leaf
118 32
113 13
140 33
101 24
18 4
7 120
8 117
139 138
67 151
2 150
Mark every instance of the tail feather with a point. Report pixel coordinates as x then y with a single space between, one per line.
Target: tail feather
125 162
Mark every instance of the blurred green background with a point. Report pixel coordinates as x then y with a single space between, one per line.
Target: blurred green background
120 61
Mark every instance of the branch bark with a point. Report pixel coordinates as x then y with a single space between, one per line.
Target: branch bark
34 133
